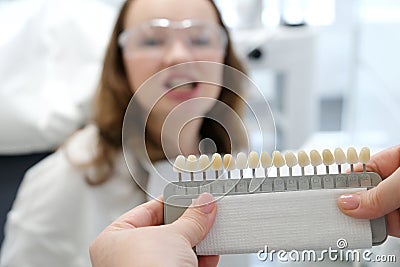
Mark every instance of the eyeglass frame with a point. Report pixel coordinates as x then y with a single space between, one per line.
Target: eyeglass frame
176 25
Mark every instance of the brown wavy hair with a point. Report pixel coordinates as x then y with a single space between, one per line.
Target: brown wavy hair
114 94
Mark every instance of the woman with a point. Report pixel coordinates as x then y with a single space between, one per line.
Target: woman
67 199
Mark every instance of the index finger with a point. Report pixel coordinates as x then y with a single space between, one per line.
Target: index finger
148 214
384 163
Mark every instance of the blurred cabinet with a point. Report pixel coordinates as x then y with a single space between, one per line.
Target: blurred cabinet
288 57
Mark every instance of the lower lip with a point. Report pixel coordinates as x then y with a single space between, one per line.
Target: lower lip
182 95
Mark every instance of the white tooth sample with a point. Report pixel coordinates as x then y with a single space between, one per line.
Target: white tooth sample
241 161
315 158
352 157
204 163
340 157
229 162
254 161
291 159
365 155
216 164
277 159
180 164
266 160
191 163
327 157
303 158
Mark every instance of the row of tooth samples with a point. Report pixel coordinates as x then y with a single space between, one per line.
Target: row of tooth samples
217 163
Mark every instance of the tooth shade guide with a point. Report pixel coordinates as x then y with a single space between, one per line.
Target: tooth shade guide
241 163
315 159
260 171
278 161
340 158
216 164
229 164
204 163
352 157
328 159
253 162
291 161
329 182
191 165
303 160
365 157
292 171
266 162
179 166
226 161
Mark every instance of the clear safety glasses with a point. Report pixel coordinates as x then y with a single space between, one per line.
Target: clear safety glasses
156 36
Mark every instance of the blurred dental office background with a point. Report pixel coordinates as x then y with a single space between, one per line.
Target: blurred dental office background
329 69
326 66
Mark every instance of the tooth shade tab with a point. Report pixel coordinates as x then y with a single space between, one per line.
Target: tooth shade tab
303 158
229 162
204 163
191 163
365 155
327 157
241 161
254 161
216 164
352 157
315 158
340 157
277 159
266 160
180 164
291 159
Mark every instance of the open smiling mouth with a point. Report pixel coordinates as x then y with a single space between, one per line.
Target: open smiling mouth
181 89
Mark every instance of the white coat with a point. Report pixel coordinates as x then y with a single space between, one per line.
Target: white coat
57 214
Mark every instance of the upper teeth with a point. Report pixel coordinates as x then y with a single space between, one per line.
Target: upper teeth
178 82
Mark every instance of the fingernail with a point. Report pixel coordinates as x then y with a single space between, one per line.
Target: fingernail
205 203
349 202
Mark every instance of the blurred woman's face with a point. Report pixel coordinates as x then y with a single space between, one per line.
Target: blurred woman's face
163 33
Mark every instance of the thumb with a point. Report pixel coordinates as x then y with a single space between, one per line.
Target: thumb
197 220
375 202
